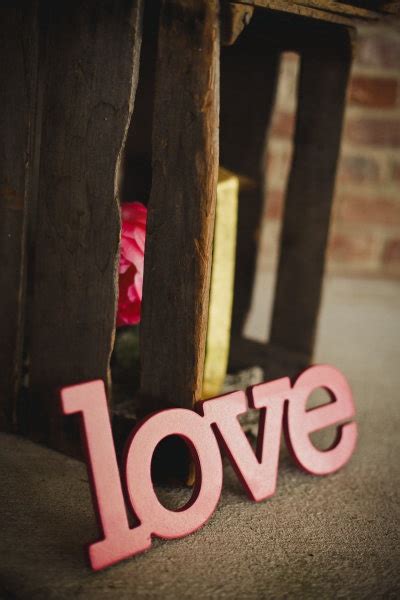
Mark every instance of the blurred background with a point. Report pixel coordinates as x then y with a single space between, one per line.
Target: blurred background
363 257
365 231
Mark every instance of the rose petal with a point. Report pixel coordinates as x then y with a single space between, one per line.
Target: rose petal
134 212
131 252
131 264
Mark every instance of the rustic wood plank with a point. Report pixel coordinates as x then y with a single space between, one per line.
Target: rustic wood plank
18 60
391 7
249 72
182 204
381 6
325 66
92 51
340 8
333 12
233 19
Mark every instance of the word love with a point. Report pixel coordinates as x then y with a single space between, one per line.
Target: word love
215 425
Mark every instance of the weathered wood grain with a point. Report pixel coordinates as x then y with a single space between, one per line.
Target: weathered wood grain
233 19
182 204
249 72
325 66
92 52
391 6
344 13
18 72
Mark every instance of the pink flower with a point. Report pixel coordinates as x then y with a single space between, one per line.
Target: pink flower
134 215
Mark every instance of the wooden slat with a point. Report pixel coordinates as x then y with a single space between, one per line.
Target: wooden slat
325 65
18 72
182 204
340 8
233 19
92 51
333 12
392 7
381 6
249 73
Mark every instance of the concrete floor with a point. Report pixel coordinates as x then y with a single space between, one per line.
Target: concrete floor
333 537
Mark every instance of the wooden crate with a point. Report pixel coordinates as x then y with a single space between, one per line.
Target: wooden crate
71 71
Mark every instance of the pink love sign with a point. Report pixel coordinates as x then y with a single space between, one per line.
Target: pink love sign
212 428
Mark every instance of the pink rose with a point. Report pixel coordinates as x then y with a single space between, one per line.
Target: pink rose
134 215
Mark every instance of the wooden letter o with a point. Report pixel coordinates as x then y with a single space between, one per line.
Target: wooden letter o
198 435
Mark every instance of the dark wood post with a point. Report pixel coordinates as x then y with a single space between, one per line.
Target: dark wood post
92 52
182 204
325 66
18 92
249 73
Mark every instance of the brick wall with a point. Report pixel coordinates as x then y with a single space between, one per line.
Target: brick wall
365 233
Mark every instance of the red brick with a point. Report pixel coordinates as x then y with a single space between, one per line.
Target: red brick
282 125
374 132
358 169
391 252
396 172
269 244
374 92
359 209
378 50
274 204
277 166
350 247
278 159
